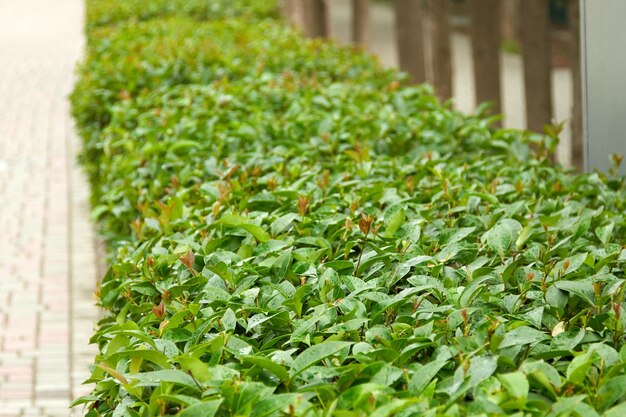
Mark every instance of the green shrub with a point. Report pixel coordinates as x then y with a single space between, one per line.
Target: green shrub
112 12
312 237
134 59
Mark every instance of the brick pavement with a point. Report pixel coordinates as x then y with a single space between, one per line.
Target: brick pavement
47 255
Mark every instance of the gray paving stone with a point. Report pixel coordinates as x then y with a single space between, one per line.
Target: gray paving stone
48 261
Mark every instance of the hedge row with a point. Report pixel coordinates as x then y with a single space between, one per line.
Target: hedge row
113 12
295 231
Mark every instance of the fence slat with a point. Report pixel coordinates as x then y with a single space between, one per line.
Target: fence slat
511 21
287 9
486 36
439 11
577 147
537 63
293 10
410 38
316 18
360 22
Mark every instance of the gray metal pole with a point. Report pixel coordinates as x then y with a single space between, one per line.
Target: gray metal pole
603 48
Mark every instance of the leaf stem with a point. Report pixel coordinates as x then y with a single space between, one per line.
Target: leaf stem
358 264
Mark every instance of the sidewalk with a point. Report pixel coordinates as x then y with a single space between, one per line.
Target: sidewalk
47 256
382 44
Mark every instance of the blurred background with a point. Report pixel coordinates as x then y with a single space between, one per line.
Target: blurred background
523 56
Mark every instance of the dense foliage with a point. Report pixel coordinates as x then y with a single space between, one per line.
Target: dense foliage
112 12
295 231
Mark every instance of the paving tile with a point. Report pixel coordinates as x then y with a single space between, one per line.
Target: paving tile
47 252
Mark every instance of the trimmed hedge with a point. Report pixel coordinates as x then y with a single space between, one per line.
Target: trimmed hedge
112 12
295 231
133 59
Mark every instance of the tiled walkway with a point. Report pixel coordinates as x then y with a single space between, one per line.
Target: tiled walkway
47 257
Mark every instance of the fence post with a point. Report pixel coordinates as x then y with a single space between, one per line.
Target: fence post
293 11
440 47
410 38
511 21
287 9
360 22
537 63
486 36
315 18
577 95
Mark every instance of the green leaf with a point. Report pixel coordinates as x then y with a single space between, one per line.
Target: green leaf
556 298
203 409
195 367
523 236
277 402
487 197
573 264
568 340
395 223
117 375
544 373
281 265
604 233
572 406
282 223
582 226
229 320
460 234
181 146
256 231
607 354
516 384
155 378
523 335
500 237
481 368
583 289
278 370
355 396
150 355
393 407
257 320
617 411
473 290
232 220
422 377
235 220
315 354
578 368
611 391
